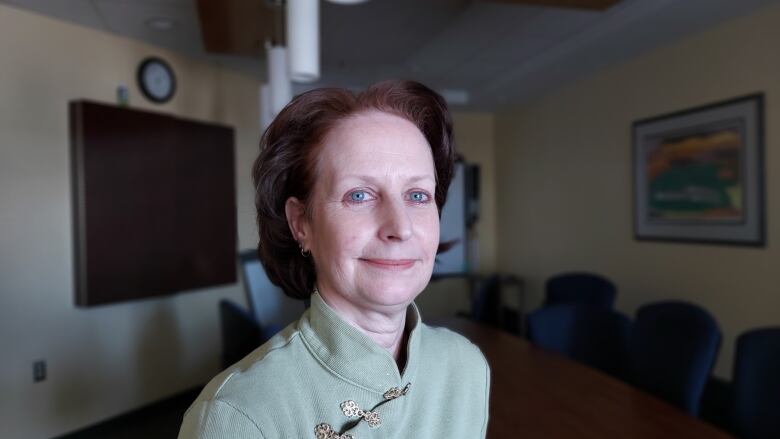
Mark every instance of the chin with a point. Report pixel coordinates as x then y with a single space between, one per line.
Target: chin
391 293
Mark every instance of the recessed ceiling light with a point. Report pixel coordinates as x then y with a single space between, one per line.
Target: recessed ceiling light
160 23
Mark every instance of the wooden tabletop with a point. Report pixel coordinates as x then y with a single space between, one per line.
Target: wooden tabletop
537 394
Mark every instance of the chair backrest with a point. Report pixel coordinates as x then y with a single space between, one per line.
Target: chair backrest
268 303
672 348
584 288
592 335
756 410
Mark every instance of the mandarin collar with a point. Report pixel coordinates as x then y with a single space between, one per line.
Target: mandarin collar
351 354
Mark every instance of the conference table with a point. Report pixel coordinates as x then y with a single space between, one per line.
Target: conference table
538 394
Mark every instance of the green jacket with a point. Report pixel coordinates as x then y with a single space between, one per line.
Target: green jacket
322 378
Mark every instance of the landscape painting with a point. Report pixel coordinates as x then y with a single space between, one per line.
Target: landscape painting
698 174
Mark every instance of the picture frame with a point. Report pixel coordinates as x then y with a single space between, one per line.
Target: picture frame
698 174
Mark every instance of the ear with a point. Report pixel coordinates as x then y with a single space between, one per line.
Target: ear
295 211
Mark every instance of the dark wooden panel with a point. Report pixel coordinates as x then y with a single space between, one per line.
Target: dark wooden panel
206 206
537 394
126 160
154 204
239 27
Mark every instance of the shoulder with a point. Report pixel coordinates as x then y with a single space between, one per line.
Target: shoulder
457 371
449 345
254 369
230 399
217 419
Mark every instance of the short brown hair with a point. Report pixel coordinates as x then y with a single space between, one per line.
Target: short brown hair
286 164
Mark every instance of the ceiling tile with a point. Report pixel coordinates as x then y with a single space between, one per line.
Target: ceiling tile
494 61
382 31
81 12
474 31
128 18
558 23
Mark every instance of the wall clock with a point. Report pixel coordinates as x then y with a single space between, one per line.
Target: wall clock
156 80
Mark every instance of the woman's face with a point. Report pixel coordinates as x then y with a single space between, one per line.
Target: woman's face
374 226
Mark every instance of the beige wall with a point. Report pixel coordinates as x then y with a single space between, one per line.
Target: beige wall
106 360
475 140
564 179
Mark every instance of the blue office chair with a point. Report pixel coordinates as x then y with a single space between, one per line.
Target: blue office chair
241 332
672 348
756 410
270 311
591 335
584 288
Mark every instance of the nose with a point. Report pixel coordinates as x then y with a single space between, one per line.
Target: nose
395 222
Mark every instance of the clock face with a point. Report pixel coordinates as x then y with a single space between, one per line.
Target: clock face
156 79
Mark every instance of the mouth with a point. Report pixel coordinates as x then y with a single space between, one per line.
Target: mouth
389 264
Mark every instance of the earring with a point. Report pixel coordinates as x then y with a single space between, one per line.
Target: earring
304 253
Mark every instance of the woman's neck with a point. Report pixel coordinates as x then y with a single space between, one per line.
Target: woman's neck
387 329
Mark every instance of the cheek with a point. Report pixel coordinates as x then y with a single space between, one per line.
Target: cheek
428 231
345 235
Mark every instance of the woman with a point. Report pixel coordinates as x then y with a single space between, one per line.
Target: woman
349 191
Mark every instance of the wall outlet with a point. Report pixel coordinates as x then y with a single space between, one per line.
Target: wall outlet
39 371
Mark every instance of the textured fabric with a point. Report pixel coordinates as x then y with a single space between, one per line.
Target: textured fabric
300 378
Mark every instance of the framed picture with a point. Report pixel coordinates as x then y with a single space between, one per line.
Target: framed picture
699 174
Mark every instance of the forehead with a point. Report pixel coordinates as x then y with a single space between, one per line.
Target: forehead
376 142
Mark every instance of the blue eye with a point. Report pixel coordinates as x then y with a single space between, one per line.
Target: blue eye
358 196
418 196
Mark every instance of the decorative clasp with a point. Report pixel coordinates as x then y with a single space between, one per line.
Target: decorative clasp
396 392
325 431
351 410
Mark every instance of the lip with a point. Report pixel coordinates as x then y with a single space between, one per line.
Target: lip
389 264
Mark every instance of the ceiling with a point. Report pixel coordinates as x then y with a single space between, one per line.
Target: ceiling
480 54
